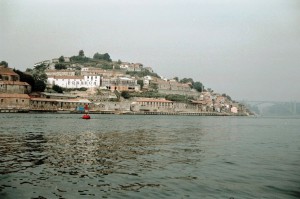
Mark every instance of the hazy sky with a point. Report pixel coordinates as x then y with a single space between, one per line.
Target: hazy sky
249 49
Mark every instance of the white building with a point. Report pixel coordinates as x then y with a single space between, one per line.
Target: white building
124 65
75 81
146 81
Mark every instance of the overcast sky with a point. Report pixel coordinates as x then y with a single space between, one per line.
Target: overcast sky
248 49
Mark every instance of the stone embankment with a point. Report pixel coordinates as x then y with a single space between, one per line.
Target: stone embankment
169 113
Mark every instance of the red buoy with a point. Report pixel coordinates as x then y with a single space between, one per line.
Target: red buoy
86 116
86 110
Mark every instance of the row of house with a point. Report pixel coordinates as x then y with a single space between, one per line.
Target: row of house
116 80
131 66
16 96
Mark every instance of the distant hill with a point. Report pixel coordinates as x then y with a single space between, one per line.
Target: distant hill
274 108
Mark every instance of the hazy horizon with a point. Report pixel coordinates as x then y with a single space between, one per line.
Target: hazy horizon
246 49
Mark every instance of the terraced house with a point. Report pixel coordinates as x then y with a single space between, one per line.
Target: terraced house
13 93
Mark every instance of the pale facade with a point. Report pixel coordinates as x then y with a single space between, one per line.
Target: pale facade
60 73
150 104
11 101
14 87
120 84
10 82
58 104
75 81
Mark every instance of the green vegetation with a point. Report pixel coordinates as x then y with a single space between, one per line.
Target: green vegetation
36 81
187 80
61 59
81 53
195 85
153 87
60 66
198 86
80 59
104 56
57 89
125 94
74 89
141 83
106 66
177 98
4 63
227 96
142 73
24 77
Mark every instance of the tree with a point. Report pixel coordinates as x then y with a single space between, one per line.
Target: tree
81 53
187 80
97 56
227 96
153 86
125 94
29 70
104 56
107 57
141 83
57 88
176 78
106 66
198 86
119 61
40 76
25 78
60 66
176 97
210 90
37 80
40 67
39 86
61 59
4 63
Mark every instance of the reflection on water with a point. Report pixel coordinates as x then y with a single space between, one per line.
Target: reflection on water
61 156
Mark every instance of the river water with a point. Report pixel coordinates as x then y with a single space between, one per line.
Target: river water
130 156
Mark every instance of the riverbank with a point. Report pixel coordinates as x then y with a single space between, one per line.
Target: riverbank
124 112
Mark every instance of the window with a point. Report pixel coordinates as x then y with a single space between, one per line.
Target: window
2 100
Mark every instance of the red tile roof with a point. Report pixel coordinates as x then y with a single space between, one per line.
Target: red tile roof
7 71
154 100
14 95
14 83
67 77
